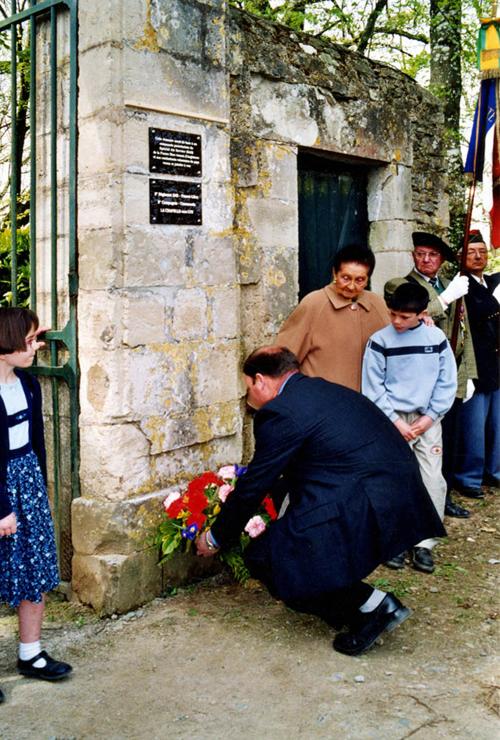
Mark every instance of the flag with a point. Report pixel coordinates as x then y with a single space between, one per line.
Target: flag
483 160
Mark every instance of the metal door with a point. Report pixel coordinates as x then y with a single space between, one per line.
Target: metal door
332 213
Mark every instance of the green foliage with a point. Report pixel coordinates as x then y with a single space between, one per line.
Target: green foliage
23 266
234 559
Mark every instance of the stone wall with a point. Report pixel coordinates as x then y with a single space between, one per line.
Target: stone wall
166 312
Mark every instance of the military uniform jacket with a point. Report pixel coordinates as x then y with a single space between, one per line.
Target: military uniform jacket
356 495
464 353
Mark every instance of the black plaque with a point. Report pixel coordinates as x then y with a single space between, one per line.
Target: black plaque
174 202
174 153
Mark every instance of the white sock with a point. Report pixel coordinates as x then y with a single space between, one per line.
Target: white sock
28 650
376 598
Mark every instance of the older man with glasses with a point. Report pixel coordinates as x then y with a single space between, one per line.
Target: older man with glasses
429 254
479 434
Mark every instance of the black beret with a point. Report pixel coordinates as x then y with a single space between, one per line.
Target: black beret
475 237
423 239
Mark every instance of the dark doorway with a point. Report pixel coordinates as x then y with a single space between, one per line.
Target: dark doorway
332 213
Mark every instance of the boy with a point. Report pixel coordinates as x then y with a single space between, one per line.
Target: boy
409 372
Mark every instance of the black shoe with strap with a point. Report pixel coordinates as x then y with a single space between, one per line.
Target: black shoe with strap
469 492
368 626
53 670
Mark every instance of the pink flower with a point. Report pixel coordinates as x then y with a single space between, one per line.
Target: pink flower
224 491
170 499
227 472
255 526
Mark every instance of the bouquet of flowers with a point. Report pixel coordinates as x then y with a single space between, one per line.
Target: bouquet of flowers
189 513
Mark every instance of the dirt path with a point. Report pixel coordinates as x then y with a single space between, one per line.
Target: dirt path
221 661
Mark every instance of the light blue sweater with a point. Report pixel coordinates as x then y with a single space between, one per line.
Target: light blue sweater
412 371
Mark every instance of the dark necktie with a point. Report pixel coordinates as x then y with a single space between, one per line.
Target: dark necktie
434 281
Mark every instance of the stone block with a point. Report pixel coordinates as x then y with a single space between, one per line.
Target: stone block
100 326
213 259
278 173
190 314
114 461
274 222
392 236
225 303
390 194
100 260
169 432
390 265
116 583
99 79
155 255
100 202
216 375
144 319
100 142
160 81
282 111
180 28
120 528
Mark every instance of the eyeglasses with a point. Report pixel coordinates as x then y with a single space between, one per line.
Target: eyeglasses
430 254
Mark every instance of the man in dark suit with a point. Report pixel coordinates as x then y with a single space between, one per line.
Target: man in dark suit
429 253
479 451
356 499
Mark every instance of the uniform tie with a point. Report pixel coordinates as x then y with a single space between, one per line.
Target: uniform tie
434 281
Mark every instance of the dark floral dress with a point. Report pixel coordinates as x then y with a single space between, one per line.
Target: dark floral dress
28 558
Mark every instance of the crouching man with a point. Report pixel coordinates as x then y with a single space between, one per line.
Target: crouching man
356 499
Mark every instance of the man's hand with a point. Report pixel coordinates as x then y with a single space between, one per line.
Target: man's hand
8 525
405 430
202 548
421 425
428 320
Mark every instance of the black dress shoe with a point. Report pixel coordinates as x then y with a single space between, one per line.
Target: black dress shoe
369 626
2 696
397 562
470 492
453 509
422 560
491 482
54 670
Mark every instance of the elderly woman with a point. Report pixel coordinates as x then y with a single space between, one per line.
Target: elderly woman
330 327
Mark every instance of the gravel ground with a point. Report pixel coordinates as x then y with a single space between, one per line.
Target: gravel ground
218 660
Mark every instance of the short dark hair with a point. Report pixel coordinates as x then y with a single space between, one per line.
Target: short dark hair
270 361
355 253
15 324
409 297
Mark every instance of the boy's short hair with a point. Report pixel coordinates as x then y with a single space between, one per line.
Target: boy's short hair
410 297
271 361
15 324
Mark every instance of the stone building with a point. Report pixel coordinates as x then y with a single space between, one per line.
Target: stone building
166 310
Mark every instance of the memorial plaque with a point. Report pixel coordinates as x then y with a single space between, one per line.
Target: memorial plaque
174 153
174 202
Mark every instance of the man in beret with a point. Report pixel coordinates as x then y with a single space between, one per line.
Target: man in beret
478 461
429 253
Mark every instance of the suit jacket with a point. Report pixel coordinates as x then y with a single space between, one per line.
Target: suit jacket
356 495
484 317
33 394
464 352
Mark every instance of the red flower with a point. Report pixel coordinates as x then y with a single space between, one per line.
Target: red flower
196 517
205 479
270 508
176 507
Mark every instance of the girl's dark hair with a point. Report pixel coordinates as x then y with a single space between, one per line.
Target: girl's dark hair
410 297
355 253
270 361
15 324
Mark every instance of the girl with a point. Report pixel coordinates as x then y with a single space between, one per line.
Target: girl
28 561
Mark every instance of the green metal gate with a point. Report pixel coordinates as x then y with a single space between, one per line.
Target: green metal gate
42 37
